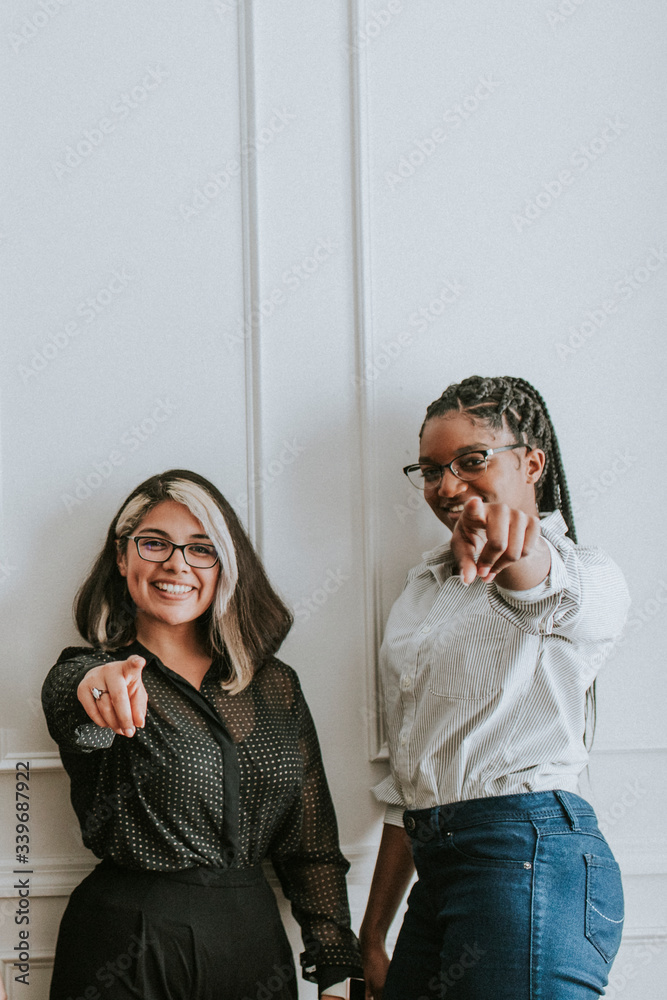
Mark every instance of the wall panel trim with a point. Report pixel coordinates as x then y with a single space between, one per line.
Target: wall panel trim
39 760
363 325
38 960
250 236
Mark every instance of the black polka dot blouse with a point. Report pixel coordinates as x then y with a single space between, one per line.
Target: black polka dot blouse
213 780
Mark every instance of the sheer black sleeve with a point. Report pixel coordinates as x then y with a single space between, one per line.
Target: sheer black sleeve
311 868
67 720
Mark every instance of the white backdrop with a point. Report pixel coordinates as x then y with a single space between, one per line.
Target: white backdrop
256 241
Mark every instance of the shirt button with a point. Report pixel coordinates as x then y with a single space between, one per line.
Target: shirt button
426 629
404 740
405 682
408 799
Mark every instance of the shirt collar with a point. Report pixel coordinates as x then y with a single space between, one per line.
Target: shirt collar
214 672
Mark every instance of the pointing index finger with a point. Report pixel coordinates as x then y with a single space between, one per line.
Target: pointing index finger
136 692
474 510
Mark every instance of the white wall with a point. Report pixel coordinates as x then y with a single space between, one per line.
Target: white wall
268 301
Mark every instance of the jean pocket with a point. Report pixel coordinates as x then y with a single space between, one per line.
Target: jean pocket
495 845
604 905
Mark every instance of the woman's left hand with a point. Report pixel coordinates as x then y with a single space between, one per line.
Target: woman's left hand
488 537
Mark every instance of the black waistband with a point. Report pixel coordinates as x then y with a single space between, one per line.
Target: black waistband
212 877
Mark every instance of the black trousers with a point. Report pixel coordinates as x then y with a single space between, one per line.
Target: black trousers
200 934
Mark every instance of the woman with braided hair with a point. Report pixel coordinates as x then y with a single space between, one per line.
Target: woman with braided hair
488 657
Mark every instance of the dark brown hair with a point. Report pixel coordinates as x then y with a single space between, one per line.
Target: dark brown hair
246 619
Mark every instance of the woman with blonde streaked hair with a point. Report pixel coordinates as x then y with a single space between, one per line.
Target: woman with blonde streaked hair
192 757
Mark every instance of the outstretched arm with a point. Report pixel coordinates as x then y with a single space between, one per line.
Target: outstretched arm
393 870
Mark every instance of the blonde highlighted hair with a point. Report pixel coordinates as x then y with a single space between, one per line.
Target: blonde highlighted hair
246 621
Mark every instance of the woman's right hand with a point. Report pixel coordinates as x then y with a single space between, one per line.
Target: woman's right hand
376 962
122 707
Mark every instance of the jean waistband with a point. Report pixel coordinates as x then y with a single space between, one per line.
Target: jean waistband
526 806
200 875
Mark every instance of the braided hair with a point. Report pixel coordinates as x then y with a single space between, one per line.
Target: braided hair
515 403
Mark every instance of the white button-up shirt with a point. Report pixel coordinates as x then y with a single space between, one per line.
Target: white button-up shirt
484 688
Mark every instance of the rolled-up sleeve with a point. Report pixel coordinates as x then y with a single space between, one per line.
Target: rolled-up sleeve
584 599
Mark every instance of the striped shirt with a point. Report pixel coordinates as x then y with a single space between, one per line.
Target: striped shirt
484 688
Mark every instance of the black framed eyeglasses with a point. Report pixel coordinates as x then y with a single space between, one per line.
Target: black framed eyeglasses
467 467
199 555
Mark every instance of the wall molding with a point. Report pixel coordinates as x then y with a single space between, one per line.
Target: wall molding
59 875
644 935
363 325
38 960
39 760
250 240
50 876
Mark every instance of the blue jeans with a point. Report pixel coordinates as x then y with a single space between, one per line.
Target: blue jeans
518 898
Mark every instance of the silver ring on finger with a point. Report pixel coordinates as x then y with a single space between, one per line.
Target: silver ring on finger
97 693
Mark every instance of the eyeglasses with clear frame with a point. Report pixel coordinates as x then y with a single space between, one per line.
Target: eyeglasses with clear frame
160 550
467 467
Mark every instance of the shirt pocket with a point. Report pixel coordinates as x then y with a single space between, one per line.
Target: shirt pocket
470 657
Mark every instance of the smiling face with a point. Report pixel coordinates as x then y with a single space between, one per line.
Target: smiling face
509 478
170 594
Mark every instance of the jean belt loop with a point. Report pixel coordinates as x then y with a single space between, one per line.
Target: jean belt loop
563 798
